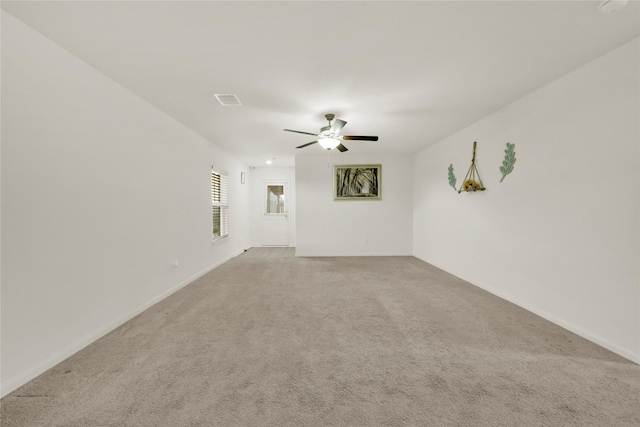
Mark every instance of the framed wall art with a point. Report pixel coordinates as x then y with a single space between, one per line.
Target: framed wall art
357 182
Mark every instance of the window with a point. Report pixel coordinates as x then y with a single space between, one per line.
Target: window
275 199
220 204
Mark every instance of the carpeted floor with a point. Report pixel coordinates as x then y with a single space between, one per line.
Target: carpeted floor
268 339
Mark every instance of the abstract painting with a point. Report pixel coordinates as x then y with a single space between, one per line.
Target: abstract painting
357 182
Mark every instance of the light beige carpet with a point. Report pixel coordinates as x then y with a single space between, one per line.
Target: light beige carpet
268 339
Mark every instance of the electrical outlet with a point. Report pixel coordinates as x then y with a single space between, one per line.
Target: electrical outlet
365 241
175 264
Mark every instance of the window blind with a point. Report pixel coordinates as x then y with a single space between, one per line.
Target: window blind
220 204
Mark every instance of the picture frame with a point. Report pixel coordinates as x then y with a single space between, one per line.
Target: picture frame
357 182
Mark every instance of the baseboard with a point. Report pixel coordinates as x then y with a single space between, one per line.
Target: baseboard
339 254
567 325
553 319
19 380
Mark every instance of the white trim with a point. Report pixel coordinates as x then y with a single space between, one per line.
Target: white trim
555 320
220 240
21 379
263 208
350 254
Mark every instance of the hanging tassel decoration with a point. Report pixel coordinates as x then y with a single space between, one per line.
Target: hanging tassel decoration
472 181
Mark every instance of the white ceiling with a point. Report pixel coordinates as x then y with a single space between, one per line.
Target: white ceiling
409 72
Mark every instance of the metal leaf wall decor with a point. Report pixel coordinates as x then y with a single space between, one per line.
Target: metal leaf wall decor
509 160
472 181
452 177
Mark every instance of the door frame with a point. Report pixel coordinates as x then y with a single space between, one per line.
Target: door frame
263 206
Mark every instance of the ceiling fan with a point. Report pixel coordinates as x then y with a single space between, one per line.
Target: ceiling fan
329 136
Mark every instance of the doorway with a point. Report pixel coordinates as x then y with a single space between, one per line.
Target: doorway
275 214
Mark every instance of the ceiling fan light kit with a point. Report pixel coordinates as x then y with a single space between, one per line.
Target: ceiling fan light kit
328 143
329 137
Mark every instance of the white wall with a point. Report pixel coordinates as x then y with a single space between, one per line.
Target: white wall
327 227
560 235
257 179
100 192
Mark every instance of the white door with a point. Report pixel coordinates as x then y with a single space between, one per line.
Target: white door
275 215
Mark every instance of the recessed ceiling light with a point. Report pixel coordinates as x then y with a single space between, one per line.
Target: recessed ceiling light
269 162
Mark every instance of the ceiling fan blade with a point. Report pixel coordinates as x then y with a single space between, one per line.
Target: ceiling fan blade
342 148
307 144
298 131
359 138
337 125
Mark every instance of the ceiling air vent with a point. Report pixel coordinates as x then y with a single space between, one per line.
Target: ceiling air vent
228 99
